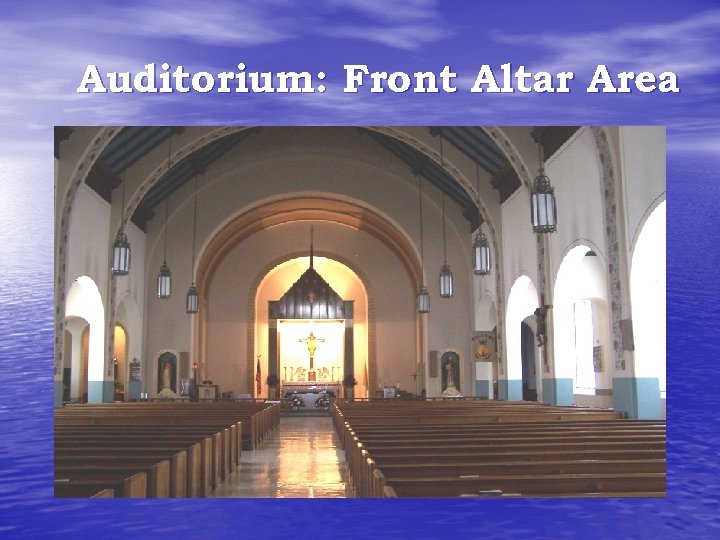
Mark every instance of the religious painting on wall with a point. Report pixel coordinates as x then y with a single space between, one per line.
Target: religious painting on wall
167 374
450 373
135 370
484 346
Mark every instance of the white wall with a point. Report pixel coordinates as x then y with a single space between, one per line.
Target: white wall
88 252
575 172
643 173
519 243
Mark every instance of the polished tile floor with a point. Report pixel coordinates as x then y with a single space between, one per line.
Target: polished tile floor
301 458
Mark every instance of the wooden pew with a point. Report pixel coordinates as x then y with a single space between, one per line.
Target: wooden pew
199 477
134 486
436 442
390 492
258 418
394 456
362 468
178 472
65 490
383 473
224 455
220 436
157 474
529 485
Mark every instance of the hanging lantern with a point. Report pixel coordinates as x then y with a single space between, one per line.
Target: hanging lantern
542 202
121 255
446 275
481 255
164 279
192 300
164 282
423 300
446 282
480 248
121 246
544 212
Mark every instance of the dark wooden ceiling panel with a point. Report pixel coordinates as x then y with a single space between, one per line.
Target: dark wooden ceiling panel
552 137
133 143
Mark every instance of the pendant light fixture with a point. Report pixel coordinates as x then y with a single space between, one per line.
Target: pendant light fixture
164 279
481 247
423 297
446 275
542 201
192 300
121 246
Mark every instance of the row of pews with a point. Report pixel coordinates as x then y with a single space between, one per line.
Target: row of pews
498 449
154 449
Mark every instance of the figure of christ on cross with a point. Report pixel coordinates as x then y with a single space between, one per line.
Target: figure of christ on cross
311 341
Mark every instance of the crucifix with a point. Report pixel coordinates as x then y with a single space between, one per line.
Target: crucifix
311 341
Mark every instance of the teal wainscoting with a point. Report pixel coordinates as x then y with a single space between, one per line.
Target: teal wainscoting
558 391
100 391
638 397
482 389
510 389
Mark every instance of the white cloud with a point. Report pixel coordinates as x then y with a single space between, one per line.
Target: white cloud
396 23
40 88
401 36
404 25
391 10
217 23
689 47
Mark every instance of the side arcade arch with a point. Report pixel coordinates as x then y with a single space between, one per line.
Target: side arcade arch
522 303
647 292
85 302
581 327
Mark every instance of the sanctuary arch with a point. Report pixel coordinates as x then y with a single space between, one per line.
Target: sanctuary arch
289 309
391 353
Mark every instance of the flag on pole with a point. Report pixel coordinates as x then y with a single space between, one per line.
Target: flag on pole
258 378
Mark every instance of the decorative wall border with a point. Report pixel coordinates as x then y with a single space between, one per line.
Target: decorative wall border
612 235
96 147
517 163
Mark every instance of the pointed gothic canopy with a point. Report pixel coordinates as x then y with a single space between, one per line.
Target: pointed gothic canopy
310 297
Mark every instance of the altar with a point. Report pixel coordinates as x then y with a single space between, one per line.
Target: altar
304 387
309 396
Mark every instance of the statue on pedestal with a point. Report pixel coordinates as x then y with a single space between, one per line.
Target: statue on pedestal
166 376
450 365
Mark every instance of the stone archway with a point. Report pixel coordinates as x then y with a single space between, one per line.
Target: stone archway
647 291
84 301
279 313
522 303
290 211
580 307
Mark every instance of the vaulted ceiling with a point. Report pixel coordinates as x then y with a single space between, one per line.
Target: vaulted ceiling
132 143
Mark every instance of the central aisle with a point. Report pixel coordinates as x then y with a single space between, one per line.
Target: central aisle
301 458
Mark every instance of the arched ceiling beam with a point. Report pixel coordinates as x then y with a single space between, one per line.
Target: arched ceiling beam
319 208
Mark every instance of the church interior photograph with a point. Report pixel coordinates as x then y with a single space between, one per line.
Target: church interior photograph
343 311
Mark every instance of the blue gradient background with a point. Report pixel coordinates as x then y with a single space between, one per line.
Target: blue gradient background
44 50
